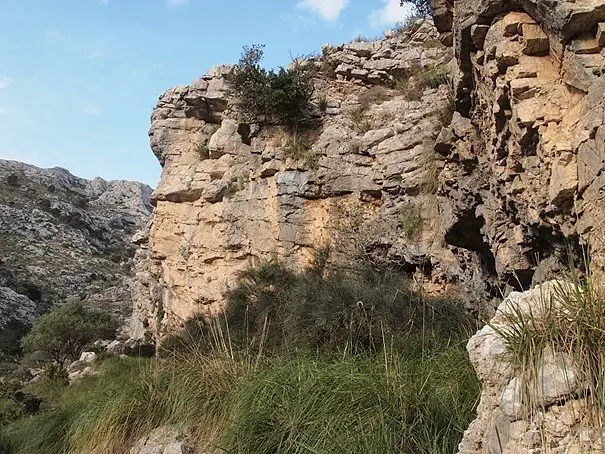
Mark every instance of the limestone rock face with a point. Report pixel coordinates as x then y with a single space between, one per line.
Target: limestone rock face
234 194
62 236
516 175
547 414
163 440
525 175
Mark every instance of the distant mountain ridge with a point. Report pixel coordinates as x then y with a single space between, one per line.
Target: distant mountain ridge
62 236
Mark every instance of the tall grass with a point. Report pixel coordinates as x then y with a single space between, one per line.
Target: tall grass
252 386
354 404
569 318
285 404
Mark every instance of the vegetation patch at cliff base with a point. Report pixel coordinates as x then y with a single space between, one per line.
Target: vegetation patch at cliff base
251 380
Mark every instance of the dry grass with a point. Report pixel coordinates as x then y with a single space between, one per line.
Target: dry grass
359 117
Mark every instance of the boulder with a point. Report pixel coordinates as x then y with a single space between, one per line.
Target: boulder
163 440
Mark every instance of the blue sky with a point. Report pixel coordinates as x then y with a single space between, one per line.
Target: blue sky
79 78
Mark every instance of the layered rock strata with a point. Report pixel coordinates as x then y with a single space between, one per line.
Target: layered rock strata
515 176
525 153
233 194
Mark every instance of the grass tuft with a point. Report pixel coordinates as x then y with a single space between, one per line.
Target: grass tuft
569 319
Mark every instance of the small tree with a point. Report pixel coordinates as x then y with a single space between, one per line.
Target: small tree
278 96
61 334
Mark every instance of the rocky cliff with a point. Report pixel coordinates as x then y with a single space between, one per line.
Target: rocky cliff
523 179
523 173
495 198
62 236
234 194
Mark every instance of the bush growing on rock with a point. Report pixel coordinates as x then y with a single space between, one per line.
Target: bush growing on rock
61 335
279 96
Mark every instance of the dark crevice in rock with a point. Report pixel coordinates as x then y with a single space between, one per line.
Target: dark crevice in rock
244 131
466 234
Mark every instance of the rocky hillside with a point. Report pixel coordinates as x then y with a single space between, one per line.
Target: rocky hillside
62 236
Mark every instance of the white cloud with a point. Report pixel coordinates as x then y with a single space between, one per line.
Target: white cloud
3 110
328 10
390 13
90 110
5 82
176 2
94 54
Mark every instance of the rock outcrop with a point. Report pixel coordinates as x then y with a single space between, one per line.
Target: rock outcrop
233 194
63 236
516 177
524 157
163 440
541 409
499 195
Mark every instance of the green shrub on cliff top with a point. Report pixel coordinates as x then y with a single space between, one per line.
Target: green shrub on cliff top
279 96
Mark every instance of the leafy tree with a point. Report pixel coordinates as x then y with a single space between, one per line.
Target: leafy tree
423 7
278 96
61 334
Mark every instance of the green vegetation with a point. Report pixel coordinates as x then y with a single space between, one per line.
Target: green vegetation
202 151
322 103
354 311
61 334
360 119
568 320
430 184
373 96
361 39
408 24
423 7
285 404
300 148
279 96
412 221
417 78
10 338
322 361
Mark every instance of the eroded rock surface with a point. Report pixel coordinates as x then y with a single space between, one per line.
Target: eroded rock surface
234 194
163 440
62 236
516 176
524 174
549 412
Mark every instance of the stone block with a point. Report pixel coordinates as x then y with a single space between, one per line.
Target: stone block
535 40
585 44
511 400
524 88
563 179
601 34
514 21
478 33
